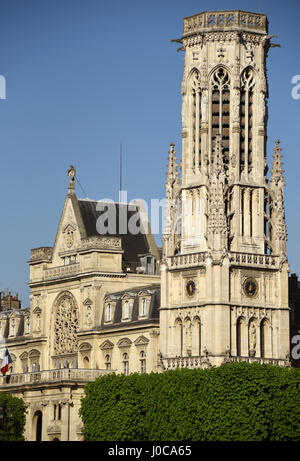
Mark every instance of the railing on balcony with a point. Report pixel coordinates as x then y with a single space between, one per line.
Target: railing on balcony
184 362
52 376
204 361
260 360
62 271
254 259
191 259
235 258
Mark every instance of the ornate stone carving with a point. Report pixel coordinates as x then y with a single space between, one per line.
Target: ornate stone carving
42 253
68 234
101 242
66 325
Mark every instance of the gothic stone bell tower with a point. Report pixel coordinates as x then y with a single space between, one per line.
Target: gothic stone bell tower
224 273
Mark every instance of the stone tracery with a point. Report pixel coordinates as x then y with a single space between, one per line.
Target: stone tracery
65 325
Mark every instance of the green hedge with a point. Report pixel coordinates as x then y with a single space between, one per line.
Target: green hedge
233 402
12 429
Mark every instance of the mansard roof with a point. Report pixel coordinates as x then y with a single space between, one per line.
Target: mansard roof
153 291
133 245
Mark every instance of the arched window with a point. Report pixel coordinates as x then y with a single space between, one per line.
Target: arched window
125 364
246 120
107 362
197 336
264 338
65 325
187 337
86 362
178 340
220 108
37 426
240 337
57 411
143 361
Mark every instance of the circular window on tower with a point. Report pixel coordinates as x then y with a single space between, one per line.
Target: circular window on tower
250 287
190 288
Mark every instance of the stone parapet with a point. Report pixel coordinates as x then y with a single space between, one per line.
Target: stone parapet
210 21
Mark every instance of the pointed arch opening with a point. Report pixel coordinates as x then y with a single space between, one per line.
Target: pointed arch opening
179 337
220 108
194 95
247 120
197 336
37 426
265 339
241 337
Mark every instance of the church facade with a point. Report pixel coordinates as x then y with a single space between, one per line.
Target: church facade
112 301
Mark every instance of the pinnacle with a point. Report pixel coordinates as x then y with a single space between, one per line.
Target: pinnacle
172 172
277 172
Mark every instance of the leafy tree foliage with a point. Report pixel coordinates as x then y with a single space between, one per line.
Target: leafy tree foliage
12 427
233 402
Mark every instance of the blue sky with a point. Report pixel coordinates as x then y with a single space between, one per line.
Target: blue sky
83 76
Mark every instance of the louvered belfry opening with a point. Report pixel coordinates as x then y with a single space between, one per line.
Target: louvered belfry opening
221 108
246 120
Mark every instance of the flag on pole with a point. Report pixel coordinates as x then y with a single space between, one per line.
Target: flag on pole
6 360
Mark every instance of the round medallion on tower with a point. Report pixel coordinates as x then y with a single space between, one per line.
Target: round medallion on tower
190 287
250 287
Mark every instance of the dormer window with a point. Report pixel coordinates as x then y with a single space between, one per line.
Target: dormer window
144 308
13 327
27 326
108 312
126 309
144 303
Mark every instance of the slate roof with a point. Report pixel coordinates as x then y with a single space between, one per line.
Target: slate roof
133 245
153 313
